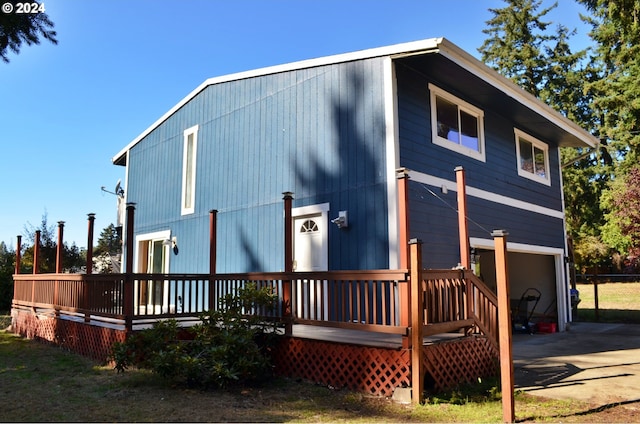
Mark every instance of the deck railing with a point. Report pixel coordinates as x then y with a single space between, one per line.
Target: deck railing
365 300
457 299
362 299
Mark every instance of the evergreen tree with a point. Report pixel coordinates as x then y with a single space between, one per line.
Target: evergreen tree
7 267
72 258
524 47
18 28
108 251
516 42
616 30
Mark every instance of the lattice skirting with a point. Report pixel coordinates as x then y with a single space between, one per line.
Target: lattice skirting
373 370
87 340
379 371
449 364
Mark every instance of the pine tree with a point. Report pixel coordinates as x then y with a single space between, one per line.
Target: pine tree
537 56
517 36
18 28
616 30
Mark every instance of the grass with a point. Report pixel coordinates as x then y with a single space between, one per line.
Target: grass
43 383
617 302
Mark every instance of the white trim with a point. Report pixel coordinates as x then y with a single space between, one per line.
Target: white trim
321 210
157 235
431 45
486 195
192 131
538 144
566 265
310 210
491 76
392 154
483 243
435 91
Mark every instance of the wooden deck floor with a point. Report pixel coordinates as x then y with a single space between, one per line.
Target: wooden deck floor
364 338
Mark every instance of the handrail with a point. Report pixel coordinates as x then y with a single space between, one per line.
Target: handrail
456 299
363 299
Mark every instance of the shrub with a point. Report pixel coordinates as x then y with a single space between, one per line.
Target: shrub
230 344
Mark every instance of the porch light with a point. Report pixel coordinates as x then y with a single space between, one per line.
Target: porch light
173 243
342 220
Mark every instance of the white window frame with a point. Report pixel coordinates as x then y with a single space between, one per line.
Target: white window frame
538 144
479 154
189 181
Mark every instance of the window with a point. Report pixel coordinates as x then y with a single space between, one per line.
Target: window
456 125
309 226
533 158
189 170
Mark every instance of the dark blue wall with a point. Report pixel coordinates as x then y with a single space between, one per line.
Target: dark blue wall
434 219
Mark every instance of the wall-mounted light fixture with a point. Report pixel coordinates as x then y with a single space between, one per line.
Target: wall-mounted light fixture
173 243
342 220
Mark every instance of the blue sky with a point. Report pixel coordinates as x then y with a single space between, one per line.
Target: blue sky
66 110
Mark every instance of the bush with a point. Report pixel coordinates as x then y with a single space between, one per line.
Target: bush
228 345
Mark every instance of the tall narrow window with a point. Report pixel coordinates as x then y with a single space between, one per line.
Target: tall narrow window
533 158
456 124
189 170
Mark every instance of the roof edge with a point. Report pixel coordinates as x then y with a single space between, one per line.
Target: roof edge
440 44
480 69
412 47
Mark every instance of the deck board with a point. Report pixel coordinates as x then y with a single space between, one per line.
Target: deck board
364 338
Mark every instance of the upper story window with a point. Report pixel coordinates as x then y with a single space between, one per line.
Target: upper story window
533 158
189 152
456 125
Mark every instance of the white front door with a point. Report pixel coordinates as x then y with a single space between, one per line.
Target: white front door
311 253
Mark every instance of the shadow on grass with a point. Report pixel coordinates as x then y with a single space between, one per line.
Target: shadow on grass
585 413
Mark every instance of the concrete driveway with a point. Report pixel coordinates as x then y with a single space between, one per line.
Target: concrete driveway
596 363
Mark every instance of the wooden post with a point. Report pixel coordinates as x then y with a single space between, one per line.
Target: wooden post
213 253
417 321
287 296
59 254
18 254
60 247
504 326
596 303
463 229
403 216
36 253
402 175
128 278
91 217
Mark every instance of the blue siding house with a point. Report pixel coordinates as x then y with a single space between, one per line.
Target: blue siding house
333 131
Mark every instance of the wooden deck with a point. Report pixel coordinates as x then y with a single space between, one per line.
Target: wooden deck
362 329
362 338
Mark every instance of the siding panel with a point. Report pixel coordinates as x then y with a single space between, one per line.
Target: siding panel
316 132
436 223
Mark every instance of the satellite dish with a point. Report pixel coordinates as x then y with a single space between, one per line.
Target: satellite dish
119 191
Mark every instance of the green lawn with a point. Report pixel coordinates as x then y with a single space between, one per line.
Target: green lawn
617 302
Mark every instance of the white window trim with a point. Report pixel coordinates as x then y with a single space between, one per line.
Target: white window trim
466 107
158 235
540 145
189 131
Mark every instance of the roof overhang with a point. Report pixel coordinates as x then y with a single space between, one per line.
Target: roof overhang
574 135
